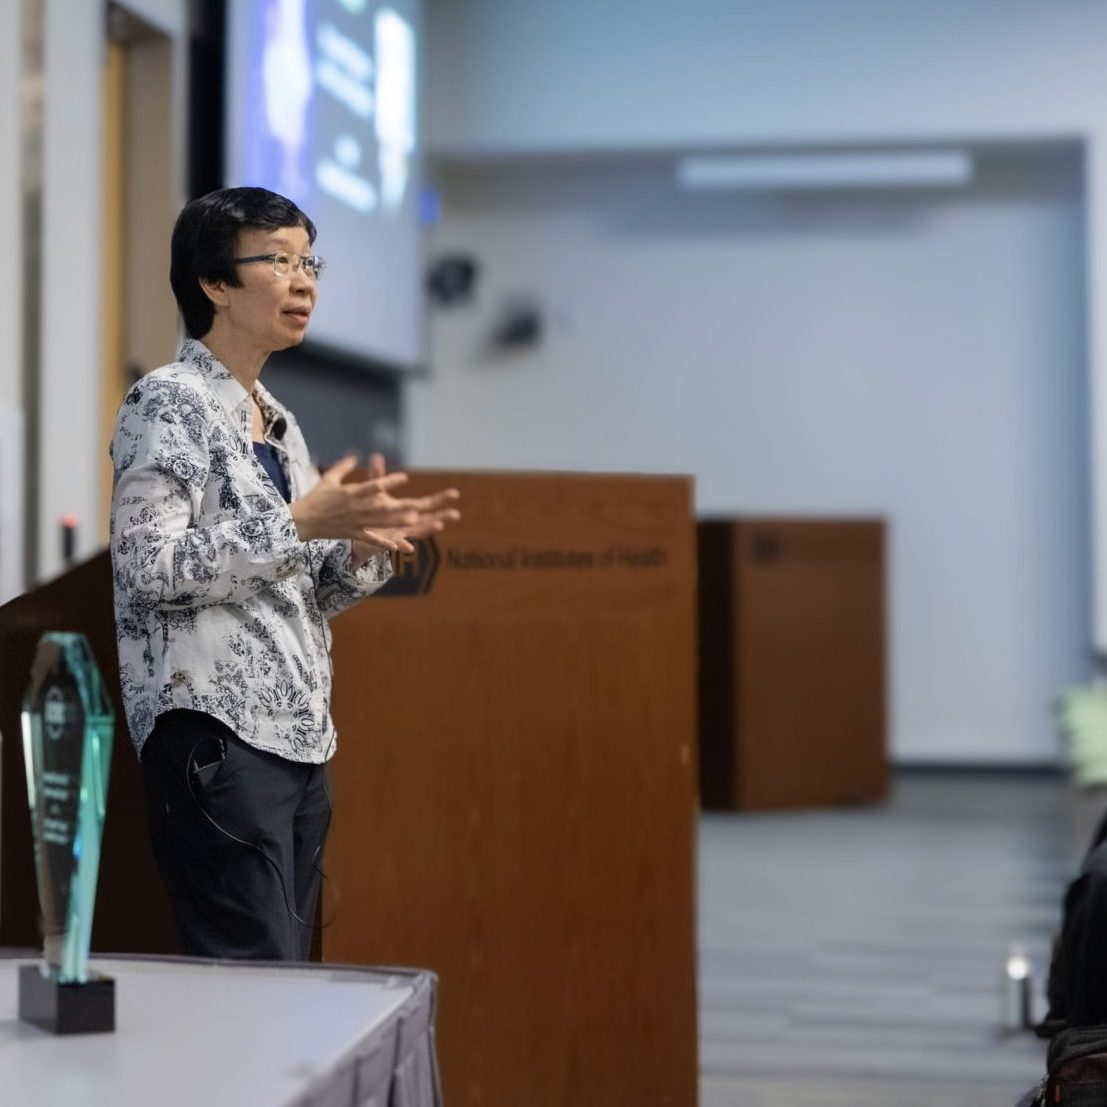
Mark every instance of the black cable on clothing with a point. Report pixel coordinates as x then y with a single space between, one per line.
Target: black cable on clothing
191 767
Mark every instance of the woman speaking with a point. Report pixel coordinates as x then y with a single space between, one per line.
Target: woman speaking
230 554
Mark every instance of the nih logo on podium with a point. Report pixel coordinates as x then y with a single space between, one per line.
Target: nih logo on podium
413 574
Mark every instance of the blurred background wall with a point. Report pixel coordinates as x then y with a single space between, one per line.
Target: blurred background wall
94 224
913 357
11 285
508 76
922 354
932 355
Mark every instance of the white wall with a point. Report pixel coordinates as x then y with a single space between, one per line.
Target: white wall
11 295
513 77
71 446
918 356
11 216
171 17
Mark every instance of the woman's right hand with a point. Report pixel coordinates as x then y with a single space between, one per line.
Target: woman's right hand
361 510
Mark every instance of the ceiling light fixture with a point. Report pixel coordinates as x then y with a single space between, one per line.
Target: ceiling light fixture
757 172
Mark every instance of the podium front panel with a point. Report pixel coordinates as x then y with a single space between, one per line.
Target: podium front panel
515 787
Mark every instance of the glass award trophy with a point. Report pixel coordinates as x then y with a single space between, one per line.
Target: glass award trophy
68 725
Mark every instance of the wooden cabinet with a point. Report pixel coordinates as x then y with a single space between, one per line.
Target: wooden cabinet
792 669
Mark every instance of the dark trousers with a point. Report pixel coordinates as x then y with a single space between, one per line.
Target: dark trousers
238 837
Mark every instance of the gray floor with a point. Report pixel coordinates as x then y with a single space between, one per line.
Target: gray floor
854 957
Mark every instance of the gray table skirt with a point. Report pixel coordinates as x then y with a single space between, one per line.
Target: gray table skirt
395 1065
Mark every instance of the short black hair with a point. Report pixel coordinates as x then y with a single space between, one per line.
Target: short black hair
204 244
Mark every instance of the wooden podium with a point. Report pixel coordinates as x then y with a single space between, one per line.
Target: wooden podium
514 787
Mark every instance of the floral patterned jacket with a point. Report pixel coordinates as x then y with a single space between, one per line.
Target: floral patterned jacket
219 606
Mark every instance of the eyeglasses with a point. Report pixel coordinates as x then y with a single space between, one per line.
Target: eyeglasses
286 264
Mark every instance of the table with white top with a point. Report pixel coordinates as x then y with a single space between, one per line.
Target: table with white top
232 1034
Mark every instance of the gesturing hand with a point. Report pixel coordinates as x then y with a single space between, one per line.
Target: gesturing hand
367 513
433 511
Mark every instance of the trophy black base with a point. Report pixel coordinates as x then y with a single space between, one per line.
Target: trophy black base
66 1008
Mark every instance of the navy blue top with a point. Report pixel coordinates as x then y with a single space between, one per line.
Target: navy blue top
271 463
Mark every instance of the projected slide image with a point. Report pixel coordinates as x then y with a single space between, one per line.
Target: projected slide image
335 100
324 109
395 104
